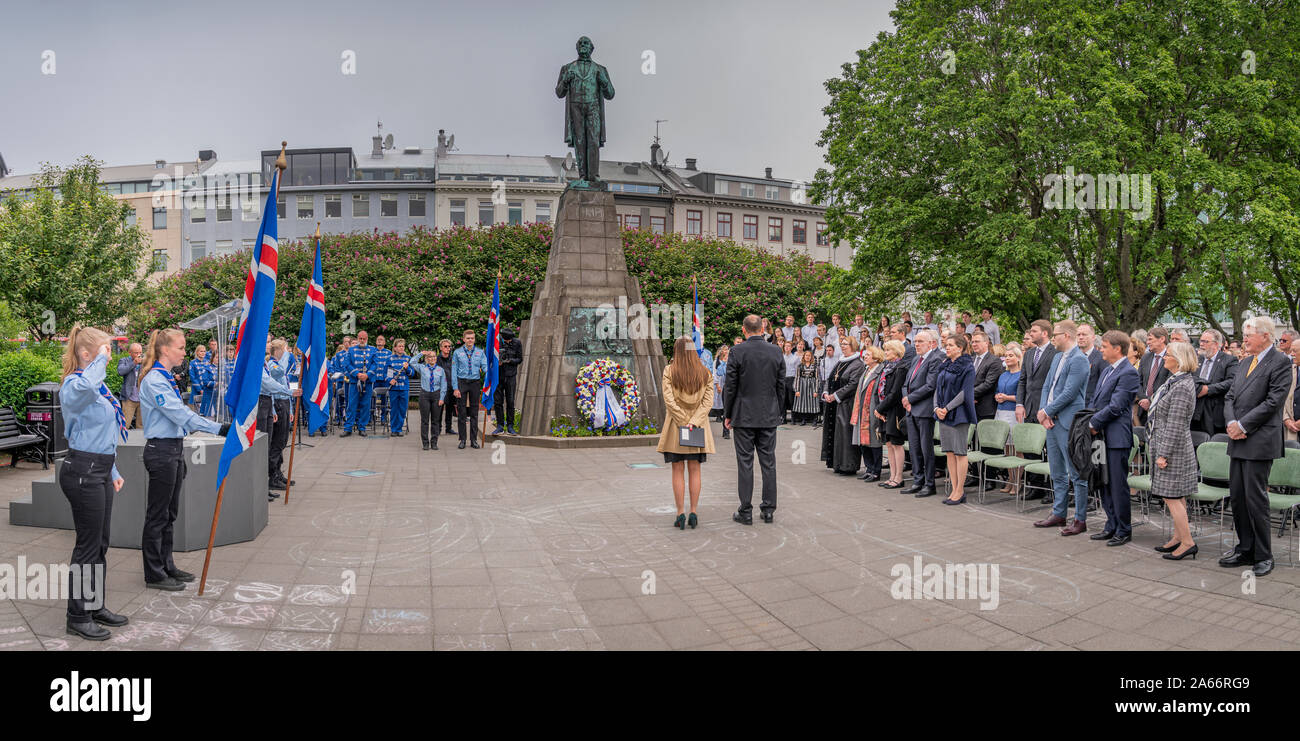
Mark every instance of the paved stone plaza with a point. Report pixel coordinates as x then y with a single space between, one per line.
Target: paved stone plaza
450 551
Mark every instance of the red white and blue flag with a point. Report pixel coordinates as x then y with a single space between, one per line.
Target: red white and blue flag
493 348
311 342
697 322
250 348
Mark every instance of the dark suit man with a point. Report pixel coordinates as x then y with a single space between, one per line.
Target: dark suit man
988 367
1117 387
1213 379
1038 359
1152 372
918 400
752 396
1253 408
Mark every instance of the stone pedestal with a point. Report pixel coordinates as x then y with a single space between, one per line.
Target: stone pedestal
586 270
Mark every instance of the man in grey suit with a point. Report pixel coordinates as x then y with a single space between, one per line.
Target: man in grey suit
918 400
752 396
1253 408
1062 398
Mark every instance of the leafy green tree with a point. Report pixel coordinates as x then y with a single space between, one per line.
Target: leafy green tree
67 253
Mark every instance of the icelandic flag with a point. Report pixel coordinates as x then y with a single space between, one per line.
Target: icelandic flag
250 348
493 348
311 342
697 323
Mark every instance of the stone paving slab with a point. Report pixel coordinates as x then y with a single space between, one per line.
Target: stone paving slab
573 550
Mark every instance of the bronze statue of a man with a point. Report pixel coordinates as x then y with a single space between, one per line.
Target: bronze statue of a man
585 85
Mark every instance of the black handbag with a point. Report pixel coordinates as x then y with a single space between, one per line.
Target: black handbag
690 437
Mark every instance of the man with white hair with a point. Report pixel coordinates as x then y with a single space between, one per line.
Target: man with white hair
1253 407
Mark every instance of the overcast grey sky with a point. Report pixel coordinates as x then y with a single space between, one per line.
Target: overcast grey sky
740 81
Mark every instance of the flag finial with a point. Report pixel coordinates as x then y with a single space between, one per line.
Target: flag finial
318 231
281 163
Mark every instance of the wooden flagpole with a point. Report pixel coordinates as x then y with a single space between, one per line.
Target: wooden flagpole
281 164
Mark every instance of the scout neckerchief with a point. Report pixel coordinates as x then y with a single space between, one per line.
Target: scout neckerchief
117 406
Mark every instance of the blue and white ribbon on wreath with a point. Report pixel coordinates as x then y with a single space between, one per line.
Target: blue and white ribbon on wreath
607 410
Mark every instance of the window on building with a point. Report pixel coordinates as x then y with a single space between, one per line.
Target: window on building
485 213
515 213
750 227
160 218
657 224
246 244
694 222
415 205
224 247
306 207
632 221
724 225
771 192
747 190
720 187
333 206
131 218
198 251
774 228
458 211
822 239
279 206
387 204
543 212
249 209
159 261
360 205
198 215
224 212
799 231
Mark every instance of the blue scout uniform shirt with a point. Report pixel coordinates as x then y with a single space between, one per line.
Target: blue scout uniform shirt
279 373
467 366
165 415
360 358
380 364
432 378
291 365
395 371
271 387
89 420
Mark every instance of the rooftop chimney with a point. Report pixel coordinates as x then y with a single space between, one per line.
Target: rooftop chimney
768 170
206 154
376 147
159 164
690 163
654 154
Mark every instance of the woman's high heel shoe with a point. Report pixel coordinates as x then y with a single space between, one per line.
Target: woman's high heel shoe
1189 552
680 522
692 521
1167 548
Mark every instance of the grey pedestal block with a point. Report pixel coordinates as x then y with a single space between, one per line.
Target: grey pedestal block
586 269
243 505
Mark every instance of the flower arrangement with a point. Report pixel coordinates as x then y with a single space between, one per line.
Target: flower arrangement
567 427
605 372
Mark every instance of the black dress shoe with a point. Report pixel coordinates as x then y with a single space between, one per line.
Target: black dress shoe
928 491
276 485
1263 568
169 585
1233 560
742 519
767 517
871 477
1119 540
425 446
88 630
914 488
179 575
473 443
888 485
864 475
433 445
105 616
1103 535
272 495
462 445
346 433
361 433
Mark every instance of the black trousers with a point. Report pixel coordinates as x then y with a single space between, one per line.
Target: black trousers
279 438
449 413
747 441
1248 487
165 461
430 416
471 392
504 398
872 458
87 482
1115 497
920 444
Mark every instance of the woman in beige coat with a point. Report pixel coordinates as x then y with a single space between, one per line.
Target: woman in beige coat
688 396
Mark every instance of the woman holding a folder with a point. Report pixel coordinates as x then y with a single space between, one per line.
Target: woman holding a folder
685 440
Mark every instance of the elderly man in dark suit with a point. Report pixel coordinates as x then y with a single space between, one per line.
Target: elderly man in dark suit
1152 372
752 396
988 368
918 400
1088 344
1213 379
1253 408
1113 421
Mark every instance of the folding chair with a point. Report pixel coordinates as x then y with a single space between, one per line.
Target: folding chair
1028 438
991 433
1285 476
1212 459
